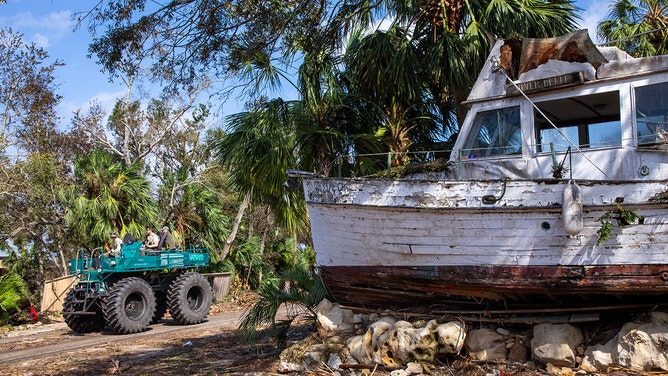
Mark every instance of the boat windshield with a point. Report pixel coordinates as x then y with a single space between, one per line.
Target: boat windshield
589 121
652 113
494 132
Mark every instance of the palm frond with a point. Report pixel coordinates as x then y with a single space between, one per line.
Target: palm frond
298 288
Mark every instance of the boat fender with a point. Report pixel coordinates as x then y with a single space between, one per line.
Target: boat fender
571 209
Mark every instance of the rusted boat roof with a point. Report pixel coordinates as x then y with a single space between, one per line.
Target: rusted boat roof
521 56
534 58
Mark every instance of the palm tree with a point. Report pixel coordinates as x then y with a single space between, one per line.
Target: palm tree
637 27
197 216
453 37
259 149
191 194
298 289
107 196
385 69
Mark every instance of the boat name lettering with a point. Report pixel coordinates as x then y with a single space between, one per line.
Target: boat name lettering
563 80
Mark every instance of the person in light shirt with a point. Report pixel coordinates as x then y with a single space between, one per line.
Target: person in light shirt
152 239
116 244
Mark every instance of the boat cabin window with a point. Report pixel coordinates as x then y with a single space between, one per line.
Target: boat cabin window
652 113
589 121
494 132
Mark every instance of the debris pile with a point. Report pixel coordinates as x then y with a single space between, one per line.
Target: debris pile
347 341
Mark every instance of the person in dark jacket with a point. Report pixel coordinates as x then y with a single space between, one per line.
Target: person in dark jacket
166 239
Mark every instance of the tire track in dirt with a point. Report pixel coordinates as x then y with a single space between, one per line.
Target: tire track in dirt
228 320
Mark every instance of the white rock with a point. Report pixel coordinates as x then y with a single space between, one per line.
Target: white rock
360 318
334 362
359 347
638 346
333 319
555 344
485 345
384 320
599 357
518 353
394 343
452 336
503 332
313 358
413 368
382 351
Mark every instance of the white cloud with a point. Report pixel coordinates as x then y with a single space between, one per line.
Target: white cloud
106 99
594 12
43 30
41 40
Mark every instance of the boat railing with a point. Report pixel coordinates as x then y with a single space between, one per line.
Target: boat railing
386 164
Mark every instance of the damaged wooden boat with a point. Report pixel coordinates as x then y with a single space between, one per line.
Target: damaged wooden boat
556 192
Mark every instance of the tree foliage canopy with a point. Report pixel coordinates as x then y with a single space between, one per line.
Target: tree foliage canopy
108 197
188 39
27 97
639 27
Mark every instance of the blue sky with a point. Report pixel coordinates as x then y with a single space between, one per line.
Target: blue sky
48 24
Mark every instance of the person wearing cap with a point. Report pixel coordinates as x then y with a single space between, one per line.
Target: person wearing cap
166 239
116 244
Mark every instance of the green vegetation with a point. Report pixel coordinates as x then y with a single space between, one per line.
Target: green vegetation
364 93
13 294
298 288
637 27
621 216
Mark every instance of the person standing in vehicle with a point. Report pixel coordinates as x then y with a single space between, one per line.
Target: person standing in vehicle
166 240
116 244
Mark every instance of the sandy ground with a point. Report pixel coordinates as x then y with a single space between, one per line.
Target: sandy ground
210 348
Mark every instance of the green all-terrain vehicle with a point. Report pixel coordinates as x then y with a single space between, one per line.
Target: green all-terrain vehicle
129 292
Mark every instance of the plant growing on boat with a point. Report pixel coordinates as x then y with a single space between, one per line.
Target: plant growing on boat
438 165
558 168
622 216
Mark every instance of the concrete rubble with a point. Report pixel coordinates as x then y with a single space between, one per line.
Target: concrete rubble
346 340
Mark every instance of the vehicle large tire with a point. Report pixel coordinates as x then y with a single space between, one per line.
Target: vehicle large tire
130 306
83 323
189 298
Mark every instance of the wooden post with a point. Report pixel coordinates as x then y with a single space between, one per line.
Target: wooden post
220 283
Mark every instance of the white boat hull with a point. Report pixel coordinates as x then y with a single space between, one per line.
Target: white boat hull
415 242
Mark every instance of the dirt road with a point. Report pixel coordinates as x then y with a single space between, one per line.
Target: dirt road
50 340
212 347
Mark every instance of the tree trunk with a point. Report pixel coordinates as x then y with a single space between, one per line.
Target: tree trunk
460 96
262 244
64 269
235 227
248 275
126 121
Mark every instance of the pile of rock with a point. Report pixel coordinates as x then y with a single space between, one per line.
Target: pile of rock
347 339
